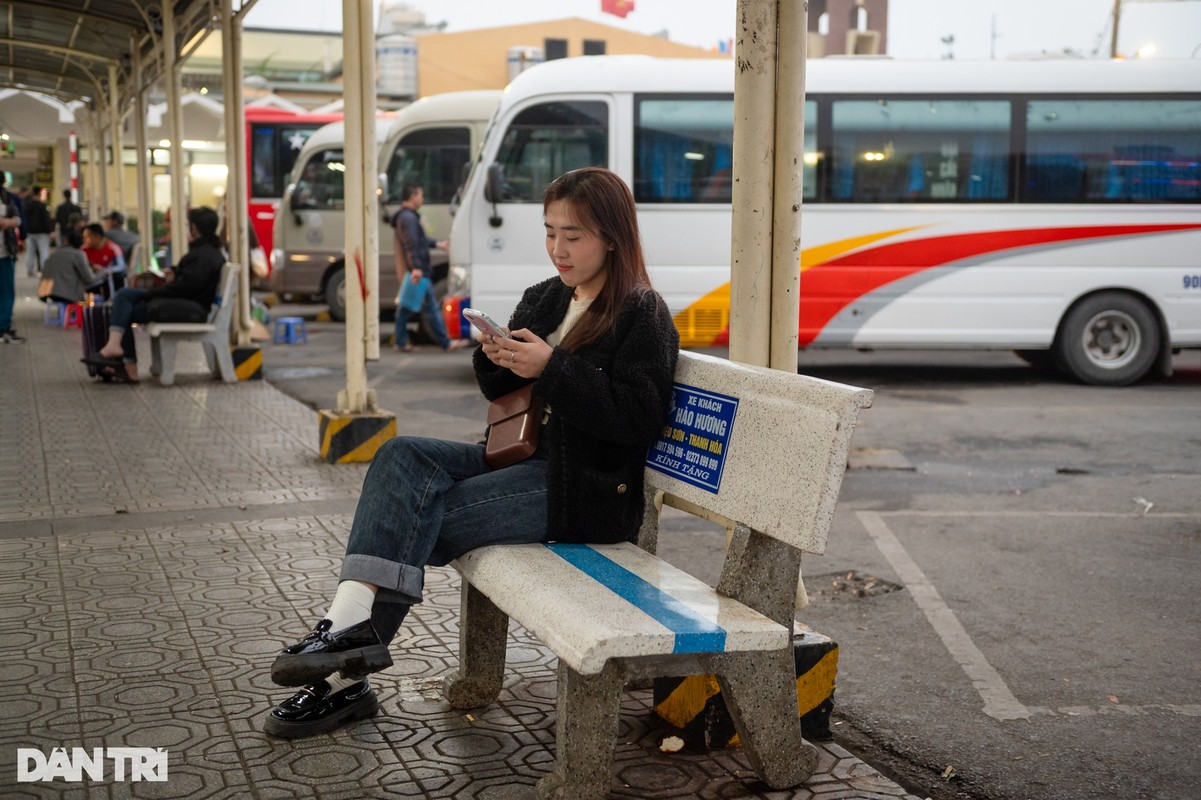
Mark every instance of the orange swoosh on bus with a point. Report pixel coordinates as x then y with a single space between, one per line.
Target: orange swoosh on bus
815 256
829 287
719 298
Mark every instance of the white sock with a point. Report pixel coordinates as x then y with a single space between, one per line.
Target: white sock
337 683
352 604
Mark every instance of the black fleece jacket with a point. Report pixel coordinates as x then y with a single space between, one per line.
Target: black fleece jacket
609 402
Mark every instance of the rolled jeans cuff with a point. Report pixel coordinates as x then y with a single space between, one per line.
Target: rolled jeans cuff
397 583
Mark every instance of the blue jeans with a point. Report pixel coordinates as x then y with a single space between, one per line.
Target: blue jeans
433 318
429 501
8 291
129 306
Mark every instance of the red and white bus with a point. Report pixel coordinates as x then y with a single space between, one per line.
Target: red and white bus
274 138
1047 207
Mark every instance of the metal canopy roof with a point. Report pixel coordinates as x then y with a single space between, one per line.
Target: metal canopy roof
64 48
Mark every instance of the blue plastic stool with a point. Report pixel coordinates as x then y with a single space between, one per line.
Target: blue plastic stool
54 313
289 330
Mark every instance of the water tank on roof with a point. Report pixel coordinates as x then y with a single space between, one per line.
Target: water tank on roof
522 58
396 65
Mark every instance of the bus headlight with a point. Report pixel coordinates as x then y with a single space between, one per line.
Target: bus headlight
277 258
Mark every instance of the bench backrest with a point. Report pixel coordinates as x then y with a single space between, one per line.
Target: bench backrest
757 446
223 303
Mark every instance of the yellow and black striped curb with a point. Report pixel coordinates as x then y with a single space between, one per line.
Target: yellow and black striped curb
694 704
349 438
248 363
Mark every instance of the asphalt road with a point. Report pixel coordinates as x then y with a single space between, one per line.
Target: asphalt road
1012 576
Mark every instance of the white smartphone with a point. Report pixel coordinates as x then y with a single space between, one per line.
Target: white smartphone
485 323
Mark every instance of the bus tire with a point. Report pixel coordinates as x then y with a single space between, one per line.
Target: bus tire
335 295
1108 339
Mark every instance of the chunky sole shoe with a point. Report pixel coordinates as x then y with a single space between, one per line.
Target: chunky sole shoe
356 650
314 709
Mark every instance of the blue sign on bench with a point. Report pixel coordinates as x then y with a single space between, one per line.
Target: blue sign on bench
695 438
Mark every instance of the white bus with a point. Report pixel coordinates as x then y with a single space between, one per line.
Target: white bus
428 142
1047 207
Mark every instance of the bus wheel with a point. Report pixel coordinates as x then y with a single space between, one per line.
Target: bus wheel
1109 339
335 295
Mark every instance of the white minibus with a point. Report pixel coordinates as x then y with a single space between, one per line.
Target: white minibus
1051 207
429 142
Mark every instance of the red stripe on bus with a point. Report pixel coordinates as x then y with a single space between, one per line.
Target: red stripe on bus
828 287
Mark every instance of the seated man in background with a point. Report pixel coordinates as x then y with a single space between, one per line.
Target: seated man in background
70 273
124 239
104 254
187 296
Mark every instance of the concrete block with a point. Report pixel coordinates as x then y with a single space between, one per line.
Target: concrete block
695 704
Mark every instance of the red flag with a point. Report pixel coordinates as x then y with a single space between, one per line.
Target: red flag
618 8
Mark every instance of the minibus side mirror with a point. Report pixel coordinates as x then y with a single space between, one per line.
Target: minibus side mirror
494 192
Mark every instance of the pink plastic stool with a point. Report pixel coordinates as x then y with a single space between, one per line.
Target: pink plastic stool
73 317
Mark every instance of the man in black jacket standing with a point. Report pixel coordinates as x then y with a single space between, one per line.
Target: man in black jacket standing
186 297
39 225
63 212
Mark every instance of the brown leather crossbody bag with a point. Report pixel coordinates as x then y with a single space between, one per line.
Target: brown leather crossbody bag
514 422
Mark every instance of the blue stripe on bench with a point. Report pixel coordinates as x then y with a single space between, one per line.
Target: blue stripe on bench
694 633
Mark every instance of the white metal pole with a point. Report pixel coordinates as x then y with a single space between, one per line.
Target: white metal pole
114 110
145 207
754 173
179 201
355 398
787 189
99 191
235 158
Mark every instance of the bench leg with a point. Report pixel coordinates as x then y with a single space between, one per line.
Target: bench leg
166 373
586 722
761 695
156 356
483 637
221 362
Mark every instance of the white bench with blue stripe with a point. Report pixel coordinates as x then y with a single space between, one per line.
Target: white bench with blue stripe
760 450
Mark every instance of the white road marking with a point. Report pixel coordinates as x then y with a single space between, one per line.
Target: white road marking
999 702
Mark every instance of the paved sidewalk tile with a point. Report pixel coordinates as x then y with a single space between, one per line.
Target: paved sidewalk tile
158 545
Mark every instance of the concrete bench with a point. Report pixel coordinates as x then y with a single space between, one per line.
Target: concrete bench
761 450
213 335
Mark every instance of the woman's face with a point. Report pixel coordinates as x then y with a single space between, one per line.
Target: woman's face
579 255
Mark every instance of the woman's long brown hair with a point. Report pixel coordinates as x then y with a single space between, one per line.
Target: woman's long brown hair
601 203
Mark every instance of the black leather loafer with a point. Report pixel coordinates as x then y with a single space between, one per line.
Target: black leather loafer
315 709
353 651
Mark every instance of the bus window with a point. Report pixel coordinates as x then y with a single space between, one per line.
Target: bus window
897 151
546 140
432 158
1113 150
273 151
322 183
683 149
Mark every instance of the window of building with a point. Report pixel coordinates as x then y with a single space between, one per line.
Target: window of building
1112 150
897 151
548 139
432 158
322 183
554 48
594 47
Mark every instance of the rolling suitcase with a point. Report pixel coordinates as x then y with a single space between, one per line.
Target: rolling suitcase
95 334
